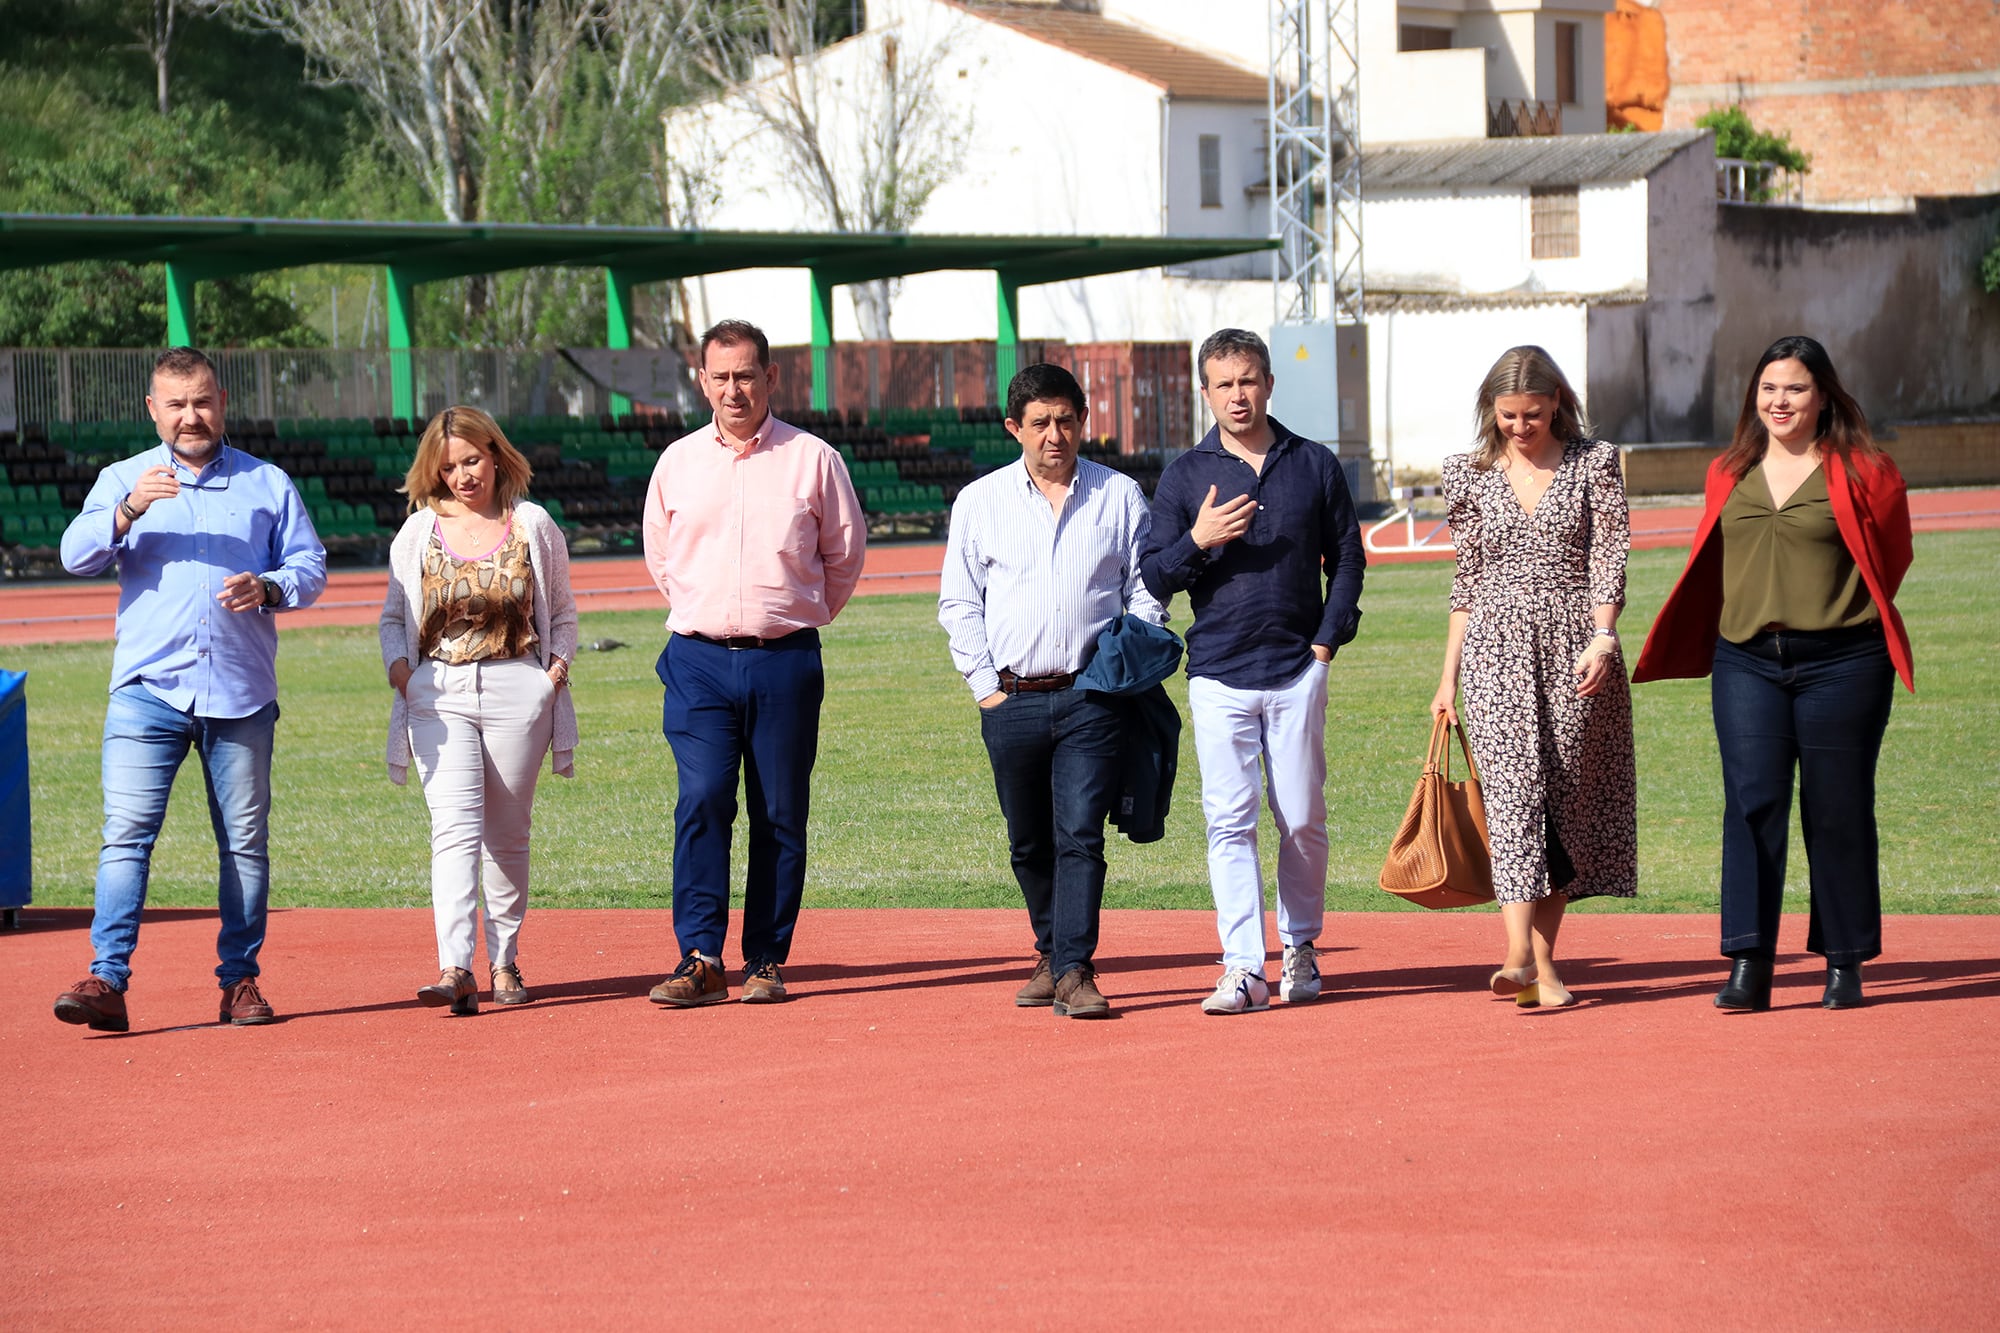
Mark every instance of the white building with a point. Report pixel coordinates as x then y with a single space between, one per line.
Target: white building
1150 117
1599 248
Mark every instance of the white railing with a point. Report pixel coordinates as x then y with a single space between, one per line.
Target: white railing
1741 181
1406 514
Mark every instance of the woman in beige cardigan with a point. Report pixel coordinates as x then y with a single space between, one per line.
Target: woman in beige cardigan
478 631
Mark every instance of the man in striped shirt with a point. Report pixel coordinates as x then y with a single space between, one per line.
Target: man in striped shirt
1043 555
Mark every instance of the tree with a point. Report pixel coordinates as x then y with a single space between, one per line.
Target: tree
1989 267
857 126
505 110
1736 137
155 31
183 162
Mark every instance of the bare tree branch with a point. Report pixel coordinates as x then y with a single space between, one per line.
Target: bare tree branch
860 127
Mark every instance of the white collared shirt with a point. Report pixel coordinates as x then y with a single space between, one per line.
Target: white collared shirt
1029 589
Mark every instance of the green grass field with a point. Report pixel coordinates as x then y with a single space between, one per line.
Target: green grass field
904 813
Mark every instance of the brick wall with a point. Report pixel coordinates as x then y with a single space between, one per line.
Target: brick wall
1867 141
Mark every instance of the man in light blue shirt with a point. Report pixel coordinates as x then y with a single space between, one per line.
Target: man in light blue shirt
1042 556
209 543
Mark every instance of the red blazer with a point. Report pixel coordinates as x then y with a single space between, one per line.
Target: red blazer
1873 514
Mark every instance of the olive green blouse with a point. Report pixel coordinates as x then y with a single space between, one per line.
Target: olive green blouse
1786 566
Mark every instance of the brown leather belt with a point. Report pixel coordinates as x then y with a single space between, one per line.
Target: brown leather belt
1013 684
735 641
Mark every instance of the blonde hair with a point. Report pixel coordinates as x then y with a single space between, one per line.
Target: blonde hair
424 482
1524 370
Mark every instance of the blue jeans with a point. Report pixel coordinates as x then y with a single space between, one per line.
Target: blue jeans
1817 704
1056 771
145 740
753 711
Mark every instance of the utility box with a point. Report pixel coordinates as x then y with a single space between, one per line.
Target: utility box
1322 383
1321 391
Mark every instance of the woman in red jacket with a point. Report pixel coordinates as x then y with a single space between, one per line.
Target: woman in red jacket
1788 598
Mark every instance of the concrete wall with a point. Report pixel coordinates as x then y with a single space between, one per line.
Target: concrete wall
1928 453
1613 380
1677 356
1895 297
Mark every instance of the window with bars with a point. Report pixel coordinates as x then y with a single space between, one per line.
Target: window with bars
1552 219
1210 146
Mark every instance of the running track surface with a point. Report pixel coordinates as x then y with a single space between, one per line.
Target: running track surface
67 610
899 1146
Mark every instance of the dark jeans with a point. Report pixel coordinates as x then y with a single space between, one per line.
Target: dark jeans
755 710
1817 703
1055 768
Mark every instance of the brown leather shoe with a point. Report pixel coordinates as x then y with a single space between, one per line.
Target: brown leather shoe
454 987
1040 990
1077 995
695 982
94 1001
508 987
764 984
244 1005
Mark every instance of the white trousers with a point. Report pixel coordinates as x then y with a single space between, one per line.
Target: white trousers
1285 728
478 734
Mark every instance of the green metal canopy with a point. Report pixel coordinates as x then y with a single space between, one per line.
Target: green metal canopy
200 249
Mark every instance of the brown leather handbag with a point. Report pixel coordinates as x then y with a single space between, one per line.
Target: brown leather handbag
1440 857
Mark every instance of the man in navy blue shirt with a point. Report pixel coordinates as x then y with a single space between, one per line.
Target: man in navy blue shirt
1257 524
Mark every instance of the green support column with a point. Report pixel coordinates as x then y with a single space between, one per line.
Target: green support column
822 344
402 322
618 309
1007 338
180 305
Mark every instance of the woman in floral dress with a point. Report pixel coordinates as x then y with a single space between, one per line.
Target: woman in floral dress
1538 516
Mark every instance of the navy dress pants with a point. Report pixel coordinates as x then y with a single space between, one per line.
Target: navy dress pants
1815 704
753 711
1056 771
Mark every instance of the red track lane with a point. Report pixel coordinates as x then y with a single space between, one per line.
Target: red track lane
67 611
900 1147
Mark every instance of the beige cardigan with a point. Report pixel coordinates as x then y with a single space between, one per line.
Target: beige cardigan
555 622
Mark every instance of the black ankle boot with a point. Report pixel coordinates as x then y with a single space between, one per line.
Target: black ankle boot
1749 985
1843 986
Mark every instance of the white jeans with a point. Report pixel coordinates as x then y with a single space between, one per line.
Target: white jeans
478 733
1286 729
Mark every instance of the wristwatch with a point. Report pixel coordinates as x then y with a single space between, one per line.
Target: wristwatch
273 594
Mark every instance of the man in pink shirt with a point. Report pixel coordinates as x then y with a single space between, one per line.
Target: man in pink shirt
755 535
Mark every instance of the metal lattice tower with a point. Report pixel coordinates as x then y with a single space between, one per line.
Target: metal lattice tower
1316 158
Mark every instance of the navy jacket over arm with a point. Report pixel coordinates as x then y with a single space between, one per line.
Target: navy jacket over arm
1259 602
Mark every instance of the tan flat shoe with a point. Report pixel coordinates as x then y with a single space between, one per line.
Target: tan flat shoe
1511 980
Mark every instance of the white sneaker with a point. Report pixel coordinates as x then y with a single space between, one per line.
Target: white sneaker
1298 983
1240 991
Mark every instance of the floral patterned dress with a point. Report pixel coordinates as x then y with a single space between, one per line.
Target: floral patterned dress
1549 761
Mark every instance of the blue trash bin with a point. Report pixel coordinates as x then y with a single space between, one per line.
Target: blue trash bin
17 859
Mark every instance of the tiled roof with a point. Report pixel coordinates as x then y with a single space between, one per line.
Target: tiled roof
1179 71
1570 159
